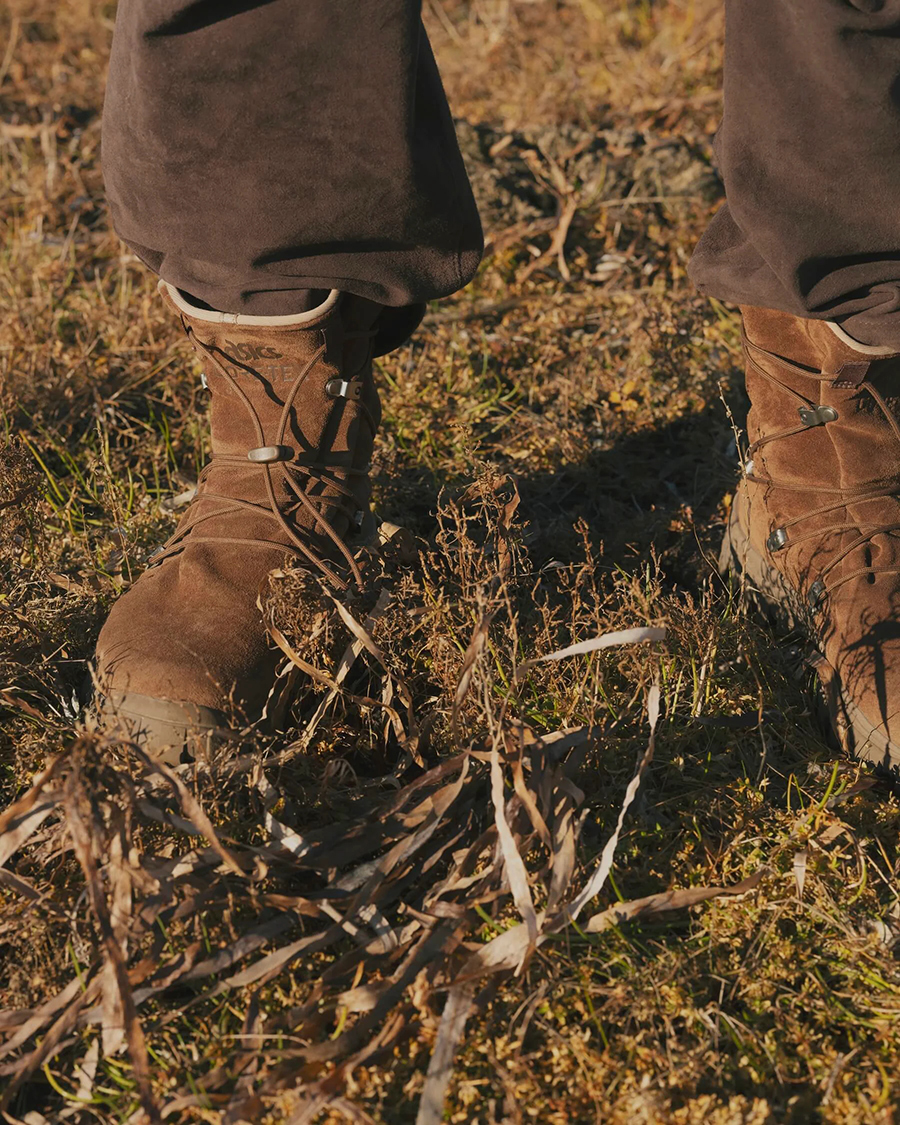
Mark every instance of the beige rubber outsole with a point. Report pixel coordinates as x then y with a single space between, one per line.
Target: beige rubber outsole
171 731
779 603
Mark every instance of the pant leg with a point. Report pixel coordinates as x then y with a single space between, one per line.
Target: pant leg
809 149
256 148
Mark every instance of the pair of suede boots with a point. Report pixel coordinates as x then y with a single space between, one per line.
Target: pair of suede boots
185 657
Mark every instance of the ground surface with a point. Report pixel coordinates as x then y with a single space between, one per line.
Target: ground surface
581 365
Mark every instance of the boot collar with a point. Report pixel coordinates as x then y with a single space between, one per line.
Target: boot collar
210 316
864 349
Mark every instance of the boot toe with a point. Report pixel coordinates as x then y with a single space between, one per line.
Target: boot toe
868 677
174 679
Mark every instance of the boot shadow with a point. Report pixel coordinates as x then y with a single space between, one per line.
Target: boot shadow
657 490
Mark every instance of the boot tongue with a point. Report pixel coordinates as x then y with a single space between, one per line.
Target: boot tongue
253 379
302 396
848 436
868 445
868 453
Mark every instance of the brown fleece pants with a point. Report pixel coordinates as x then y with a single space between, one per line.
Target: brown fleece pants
255 150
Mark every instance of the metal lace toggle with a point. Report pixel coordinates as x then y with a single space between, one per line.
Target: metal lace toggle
777 539
343 388
816 594
204 382
817 415
270 454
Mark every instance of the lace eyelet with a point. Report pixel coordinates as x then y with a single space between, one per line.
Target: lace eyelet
816 594
777 539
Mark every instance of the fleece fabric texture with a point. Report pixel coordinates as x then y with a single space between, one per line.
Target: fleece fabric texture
256 148
809 150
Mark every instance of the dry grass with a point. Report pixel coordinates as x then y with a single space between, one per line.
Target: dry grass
580 373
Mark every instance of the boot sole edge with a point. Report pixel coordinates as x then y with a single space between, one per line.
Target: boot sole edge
165 729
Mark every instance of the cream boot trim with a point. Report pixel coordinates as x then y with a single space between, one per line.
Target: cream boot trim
864 349
210 316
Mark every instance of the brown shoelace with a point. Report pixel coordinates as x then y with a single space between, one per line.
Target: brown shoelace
812 414
296 475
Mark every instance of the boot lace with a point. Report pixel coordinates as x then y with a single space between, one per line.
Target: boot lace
812 414
277 459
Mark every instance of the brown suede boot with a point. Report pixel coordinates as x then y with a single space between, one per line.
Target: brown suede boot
185 655
815 526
